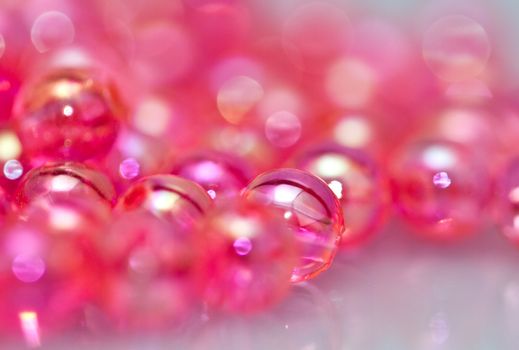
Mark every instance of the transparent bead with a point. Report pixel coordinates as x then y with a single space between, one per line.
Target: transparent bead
168 197
49 269
248 258
440 187
67 114
69 179
356 181
311 208
220 174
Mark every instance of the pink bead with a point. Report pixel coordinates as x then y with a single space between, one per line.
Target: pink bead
312 210
248 257
169 197
49 270
220 174
508 202
64 180
440 188
354 178
67 114
149 272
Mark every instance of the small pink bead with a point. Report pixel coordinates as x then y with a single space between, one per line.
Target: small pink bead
149 271
64 180
356 181
312 210
49 270
440 188
67 114
169 197
508 202
248 258
220 174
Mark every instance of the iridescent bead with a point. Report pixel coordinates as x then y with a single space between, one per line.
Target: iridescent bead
508 202
249 255
312 210
67 114
171 198
49 269
220 174
356 181
64 180
148 272
440 187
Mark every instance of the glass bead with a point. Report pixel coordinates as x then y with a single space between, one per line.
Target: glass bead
67 114
49 269
508 201
440 187
220 174
356 181
69 179
148 272
249 255
168 197
311 208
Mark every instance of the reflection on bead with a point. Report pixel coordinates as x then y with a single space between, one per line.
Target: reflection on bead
440 187
312 210
168 197
220 174
248 257
64 180
354 178
68 114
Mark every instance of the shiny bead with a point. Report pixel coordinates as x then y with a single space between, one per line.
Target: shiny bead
508 202
171 198
149 272
311 208
220 174
49 270
248 258
356 181
64 180
68 114
440 188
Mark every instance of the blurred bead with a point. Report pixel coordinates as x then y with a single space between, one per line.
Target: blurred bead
64 180
354 178
440 188
148 275
220 174
248 257
171 198
67 114
312 210
49 270
508 201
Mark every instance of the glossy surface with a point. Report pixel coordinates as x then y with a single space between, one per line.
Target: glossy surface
441 188
49 269
64 180
356 181
508 201
168 197
220 174
248 258
67 114
312 210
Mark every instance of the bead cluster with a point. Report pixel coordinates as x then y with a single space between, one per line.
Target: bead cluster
174 158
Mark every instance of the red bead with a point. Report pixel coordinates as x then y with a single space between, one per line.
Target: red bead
248 257
64 180
508 202
311 208
67 114
356 181
49 269
220 174
440 187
